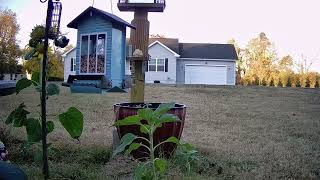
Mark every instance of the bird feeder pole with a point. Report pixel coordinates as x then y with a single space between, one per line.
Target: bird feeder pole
139 39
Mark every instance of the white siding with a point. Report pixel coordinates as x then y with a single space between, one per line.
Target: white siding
67 64
158 51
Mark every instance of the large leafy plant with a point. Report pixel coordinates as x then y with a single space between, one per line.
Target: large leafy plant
148 120
71 120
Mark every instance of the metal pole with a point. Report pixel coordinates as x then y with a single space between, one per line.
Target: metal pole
44 92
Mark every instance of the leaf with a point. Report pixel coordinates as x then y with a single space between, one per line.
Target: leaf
168 118
53 89
22 84
124 142
131 120
50 127
132 147
36 78
161 165
145 129
33 128
72 121
18 117
172 139
147 114
164 108
138 172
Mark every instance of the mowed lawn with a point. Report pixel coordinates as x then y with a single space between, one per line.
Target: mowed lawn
251 132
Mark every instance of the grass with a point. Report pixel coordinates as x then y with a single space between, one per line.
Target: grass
250 132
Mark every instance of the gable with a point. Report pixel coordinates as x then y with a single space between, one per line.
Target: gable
91 11
160 45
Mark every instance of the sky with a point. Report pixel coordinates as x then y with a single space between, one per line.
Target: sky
292 25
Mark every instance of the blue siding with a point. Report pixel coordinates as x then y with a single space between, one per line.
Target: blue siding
95 24
115 46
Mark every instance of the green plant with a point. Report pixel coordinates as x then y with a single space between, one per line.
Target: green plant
154 119
71 120
186 156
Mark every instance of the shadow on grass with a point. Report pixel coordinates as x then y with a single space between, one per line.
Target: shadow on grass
65 162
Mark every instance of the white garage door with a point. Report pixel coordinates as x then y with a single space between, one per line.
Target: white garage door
205 74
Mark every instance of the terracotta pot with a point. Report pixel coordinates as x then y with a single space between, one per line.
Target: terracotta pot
167 130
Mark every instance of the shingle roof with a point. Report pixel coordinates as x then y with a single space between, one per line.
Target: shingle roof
207 51
198 50
171 43
103 14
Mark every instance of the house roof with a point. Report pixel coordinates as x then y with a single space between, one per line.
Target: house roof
157 42
171 43
207 51
66 53
108 16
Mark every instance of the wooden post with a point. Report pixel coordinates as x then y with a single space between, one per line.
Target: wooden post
139 39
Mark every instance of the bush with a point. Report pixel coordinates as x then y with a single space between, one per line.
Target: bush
318 81
312 79
284 78
294 80
269 81
303 80
276 79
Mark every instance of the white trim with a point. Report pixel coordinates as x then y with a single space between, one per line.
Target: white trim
206 65
105 53
164 65
66 53
202 59
174 53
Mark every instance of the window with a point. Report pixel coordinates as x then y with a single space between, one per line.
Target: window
92 54
73 64
158 65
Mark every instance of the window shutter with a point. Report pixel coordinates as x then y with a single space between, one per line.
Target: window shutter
147 65
166 65
71 64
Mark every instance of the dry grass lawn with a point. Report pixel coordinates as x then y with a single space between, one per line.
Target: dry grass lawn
252 132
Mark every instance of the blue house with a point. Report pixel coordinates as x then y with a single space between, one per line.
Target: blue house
101 44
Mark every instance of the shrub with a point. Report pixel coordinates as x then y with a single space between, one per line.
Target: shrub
303 80
294 80
284 78
276 79
312 78
246 80
318 81
269 81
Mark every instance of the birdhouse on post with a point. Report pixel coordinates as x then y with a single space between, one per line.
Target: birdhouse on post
139 40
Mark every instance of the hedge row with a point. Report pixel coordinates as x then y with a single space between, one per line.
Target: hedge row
285 79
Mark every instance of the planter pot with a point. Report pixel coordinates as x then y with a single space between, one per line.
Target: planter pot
167 130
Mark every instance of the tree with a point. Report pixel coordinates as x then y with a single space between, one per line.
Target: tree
258 58
240 69
285 68
55 61
157 36
9 49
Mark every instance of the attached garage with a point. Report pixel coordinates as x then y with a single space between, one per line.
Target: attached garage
205 74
